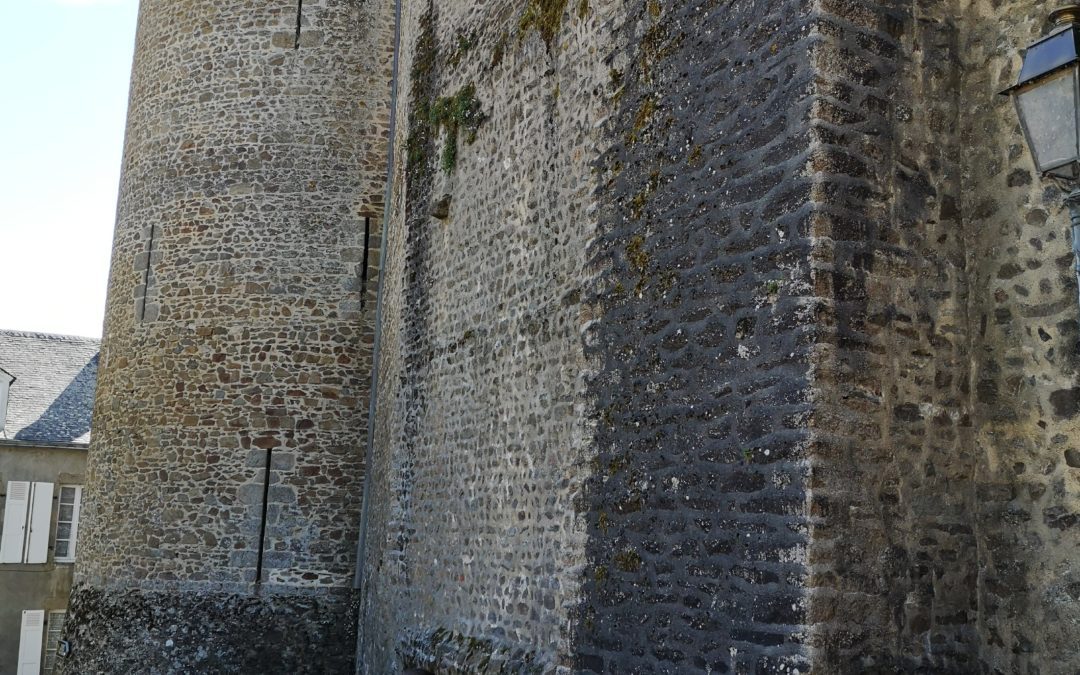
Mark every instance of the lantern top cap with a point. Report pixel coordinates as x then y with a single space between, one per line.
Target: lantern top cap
1050 53
1066 15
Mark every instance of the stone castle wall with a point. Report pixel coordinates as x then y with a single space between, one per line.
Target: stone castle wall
591 419
945 500
474 539
1025 357
893 558
237 342
704 332
724 336
827 357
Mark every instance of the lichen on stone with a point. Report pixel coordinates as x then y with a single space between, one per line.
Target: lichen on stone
628 560
499 51
636 254
543 16
463 44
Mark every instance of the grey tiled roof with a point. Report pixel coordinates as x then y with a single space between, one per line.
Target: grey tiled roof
52 397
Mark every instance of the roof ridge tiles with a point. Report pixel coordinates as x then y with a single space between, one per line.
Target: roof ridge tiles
47 336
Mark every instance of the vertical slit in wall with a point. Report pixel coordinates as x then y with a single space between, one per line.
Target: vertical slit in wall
364 266
146 272
299 18
262 519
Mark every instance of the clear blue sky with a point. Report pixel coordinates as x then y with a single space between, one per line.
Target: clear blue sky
64 69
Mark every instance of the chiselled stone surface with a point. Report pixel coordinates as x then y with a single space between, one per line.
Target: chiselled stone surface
474 545
828 348
167 632
725 336
697 520
1025 361
238 327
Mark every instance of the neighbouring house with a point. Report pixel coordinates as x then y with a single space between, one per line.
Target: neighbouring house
46 398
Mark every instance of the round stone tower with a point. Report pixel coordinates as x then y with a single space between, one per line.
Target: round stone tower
225 480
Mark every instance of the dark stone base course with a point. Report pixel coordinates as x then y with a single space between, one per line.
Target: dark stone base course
209 632
898 665
449 653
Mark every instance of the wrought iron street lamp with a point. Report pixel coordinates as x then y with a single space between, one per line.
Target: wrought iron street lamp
1047 97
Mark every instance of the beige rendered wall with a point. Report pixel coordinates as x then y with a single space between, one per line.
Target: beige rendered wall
43 586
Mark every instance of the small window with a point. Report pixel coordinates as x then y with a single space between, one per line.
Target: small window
54 631
67 523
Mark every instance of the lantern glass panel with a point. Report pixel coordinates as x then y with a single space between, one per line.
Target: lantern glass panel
1048 109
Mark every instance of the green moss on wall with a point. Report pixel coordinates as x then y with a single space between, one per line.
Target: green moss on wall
464 43
422 75
456 113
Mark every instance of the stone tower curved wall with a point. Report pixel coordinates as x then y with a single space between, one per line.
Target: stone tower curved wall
237 342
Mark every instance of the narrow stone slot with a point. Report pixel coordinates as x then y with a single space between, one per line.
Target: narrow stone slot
299 18
364 265
262 519
146 273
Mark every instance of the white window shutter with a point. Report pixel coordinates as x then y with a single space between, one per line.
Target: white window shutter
16 513
75 523
30 640
37 539
5 384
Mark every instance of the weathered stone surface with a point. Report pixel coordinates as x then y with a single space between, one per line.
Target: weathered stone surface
716 336
237 348
473 532
138 631
1023 335
696 501
827 328
894 550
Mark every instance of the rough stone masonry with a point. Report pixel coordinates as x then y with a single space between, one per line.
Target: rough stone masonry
225 478
738 336
730 336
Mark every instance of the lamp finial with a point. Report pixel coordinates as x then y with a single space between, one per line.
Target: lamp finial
1066 15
